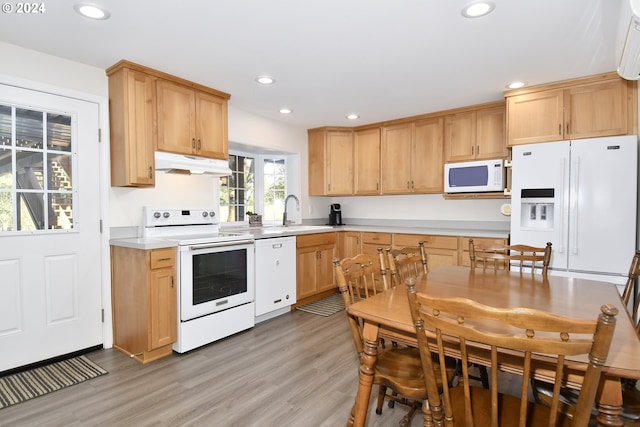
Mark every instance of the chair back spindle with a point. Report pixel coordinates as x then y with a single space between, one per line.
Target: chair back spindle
406 262
498 257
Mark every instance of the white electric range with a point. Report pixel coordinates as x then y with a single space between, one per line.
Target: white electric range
215 270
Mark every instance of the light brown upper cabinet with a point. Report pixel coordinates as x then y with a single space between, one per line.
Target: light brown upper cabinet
395 153
191 121
602 105
131 111
151 110
330 162
427 165
366 145
475 134
411 157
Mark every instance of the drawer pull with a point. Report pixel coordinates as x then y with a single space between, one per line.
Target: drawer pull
165 259
278 301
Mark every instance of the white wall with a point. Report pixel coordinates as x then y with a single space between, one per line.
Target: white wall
51 70
126 203
425 207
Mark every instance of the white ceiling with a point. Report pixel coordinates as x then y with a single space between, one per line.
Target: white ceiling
382 59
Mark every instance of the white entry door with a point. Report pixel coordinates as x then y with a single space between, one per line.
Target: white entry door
50 276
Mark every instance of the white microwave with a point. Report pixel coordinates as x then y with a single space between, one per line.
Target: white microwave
474 177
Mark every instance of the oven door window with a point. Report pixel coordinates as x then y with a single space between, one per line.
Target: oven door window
219 275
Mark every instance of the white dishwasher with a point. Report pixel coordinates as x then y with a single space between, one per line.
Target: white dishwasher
275 276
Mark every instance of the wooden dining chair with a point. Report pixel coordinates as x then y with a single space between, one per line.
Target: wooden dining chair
500 256
631 290
507 337
630 394
398 371
406 262
368 275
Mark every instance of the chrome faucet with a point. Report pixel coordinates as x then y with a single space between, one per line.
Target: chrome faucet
284 215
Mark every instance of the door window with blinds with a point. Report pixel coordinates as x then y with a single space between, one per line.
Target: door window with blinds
37 162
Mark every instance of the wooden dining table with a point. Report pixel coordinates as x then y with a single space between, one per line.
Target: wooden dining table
388 313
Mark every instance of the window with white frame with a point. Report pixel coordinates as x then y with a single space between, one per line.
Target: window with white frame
257 184
36 170
274 177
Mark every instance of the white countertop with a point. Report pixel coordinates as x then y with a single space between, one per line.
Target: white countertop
144 243
465 229
438 228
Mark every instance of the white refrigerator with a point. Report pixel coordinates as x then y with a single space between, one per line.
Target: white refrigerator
580 195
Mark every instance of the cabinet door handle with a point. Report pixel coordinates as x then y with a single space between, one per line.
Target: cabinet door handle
567 128
193 143
477 150
472 150
559 128
150 172
199 145
408 186
172 282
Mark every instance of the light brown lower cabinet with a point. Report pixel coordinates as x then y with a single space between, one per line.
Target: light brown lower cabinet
372 241
350 244
314 266
315 252
144 298
483 241
441 250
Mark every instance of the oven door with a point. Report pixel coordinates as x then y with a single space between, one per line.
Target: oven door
215 277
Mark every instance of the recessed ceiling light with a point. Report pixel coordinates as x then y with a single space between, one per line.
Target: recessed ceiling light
286 111
353 116
478 9
265 80
516 85
91 11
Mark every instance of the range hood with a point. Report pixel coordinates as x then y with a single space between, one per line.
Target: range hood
182 164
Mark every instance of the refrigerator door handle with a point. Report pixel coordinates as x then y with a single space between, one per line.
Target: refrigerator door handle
574 208
562 238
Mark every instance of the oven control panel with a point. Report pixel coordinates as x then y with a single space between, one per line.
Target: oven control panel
158 216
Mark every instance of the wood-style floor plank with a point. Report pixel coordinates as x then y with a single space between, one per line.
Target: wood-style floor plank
298 369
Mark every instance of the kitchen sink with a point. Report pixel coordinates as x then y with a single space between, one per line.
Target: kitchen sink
294 228
280 229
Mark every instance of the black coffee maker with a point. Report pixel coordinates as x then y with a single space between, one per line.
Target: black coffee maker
335 215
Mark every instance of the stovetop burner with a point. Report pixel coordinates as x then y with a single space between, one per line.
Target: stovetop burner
187 226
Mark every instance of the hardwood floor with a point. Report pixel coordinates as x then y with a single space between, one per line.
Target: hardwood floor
298 369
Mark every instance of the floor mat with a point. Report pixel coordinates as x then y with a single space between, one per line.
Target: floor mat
325 306
20 387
